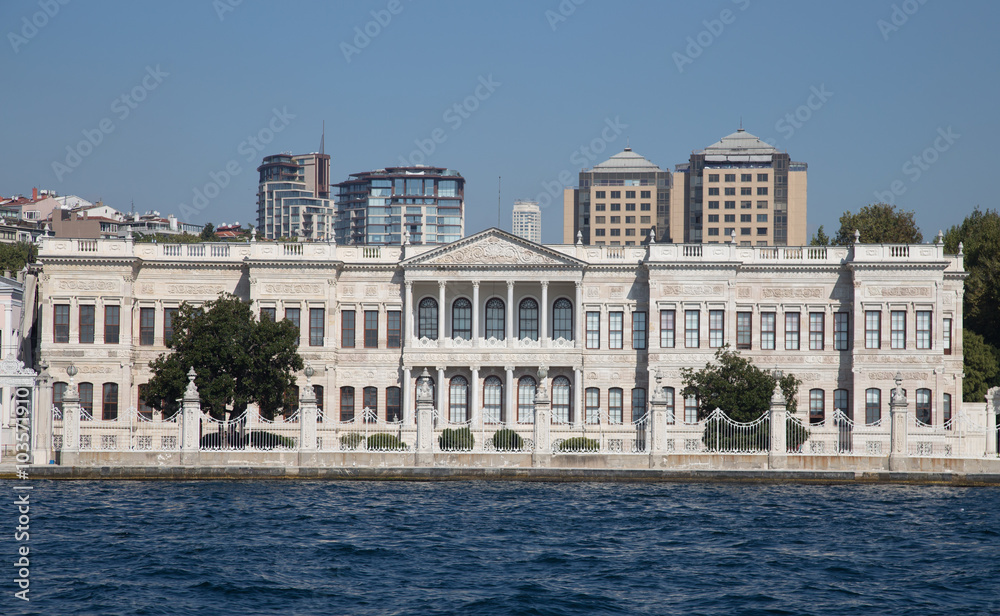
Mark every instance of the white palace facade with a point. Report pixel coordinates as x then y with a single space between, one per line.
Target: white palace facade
482 315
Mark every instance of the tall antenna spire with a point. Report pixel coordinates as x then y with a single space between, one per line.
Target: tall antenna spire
498 201
322 139
741 121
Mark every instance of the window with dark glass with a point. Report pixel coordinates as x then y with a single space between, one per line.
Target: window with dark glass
946 411
592 405
294 315
791 331
87 316
744 329
638 403
458 400
58 393
667 328
109 406
394 335
816 330
924 406
427 321
495 319
593 330
615 405
716 328
692 335
86 392
370 404
767 330
639 330
691 409
562 319
492 400
526 400
873 329
60 323
562 410
842 402
615 326
112 324
668 393
371 329
924 329
145 410
269 313
873 405
817 414
393 404
317 326
346 403
347 329
528 319
946 334
841 336
168 324
461 319
897 329
147 325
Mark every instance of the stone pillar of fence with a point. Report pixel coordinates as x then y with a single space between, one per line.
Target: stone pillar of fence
69 455
777 453
190 421
307 419
424 455
657 421
542 452
897 427
992 406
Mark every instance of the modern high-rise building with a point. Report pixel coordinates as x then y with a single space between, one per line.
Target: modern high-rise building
419 204
740 188
293 197
619 202
527 221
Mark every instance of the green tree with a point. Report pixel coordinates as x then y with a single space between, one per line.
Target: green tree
13 257
980 235
879 223
208 233
736 386
820 239
239 360
981 366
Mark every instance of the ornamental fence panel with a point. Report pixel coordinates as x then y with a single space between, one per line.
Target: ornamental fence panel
366 432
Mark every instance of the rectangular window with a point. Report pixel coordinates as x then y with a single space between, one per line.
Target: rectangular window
746 190
691 409
731 191
269 313
616 207
744 329
713 231
60 323
346 404
713 218
639 330
599 194
761 177
730 205
761 217
873 406
946 333
873 329
767 330
746 205
842 402
713 177
897 324
730 177
112 321
841 335
294 315
761 190
746 177
395 326
923 329
87 316
615 396
616 323
147 324
347 329
593 330
691 326
716 328
168 324
713 192
592 405
946 411
713 205
746 218
667 329
317 326
762 205
645 194
630 194
109 399
730 217
371 329
817 321
791 331
616 194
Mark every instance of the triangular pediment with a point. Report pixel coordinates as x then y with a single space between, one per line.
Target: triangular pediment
494 247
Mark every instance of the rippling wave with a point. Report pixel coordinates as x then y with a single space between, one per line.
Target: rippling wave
247 548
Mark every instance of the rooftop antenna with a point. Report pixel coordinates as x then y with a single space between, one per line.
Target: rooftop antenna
628 144
498 201
741 121
322 139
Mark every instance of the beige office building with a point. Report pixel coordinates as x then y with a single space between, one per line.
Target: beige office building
618 203
740 189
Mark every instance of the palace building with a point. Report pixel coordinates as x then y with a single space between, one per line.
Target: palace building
483 314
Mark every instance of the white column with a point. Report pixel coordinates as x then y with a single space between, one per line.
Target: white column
578 410
442 393
579 315
474 410
475 313
543 322
442 311
509 394
408 412
510 312
409 334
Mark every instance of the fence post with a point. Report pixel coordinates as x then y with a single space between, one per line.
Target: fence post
307 418
992 406
190 421
543 416
70 453
658 421
425 429
777 453
897 427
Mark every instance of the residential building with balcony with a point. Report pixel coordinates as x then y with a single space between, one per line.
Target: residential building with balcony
293 197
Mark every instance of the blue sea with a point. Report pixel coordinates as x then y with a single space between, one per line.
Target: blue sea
298 547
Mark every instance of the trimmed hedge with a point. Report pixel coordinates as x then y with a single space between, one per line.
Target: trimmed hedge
506 439
579 444
460 439
351 441
385 442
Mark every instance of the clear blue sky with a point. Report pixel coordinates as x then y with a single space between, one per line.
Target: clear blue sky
892 74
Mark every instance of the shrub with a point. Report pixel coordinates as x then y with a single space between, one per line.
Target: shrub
351 441
385 442
267 440
460 439
506 439
579 444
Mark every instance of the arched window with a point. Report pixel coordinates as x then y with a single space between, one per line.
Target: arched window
495 315
526 400
924 406
461 319
562 319
492 399
347 403
370 404
86 391
427 322
592 403
873 405
562 409
817 405
615 405
638 403
458 400
691 409
393 404
668 392
109 401
528 319
58 394
842 402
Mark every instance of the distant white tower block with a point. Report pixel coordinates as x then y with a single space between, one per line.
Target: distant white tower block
527 221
